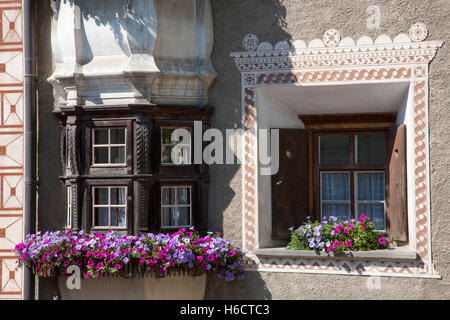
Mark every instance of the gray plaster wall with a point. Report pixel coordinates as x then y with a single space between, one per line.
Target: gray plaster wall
289 20
272 21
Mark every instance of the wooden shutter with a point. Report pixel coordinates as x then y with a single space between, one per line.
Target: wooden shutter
397 214
290 184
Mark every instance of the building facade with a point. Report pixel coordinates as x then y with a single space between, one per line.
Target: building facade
357 90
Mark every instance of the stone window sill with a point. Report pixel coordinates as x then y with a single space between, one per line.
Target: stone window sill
398 254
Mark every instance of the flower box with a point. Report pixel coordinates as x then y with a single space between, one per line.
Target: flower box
173 287
112 264
332 234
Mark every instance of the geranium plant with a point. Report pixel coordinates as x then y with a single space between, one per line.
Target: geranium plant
333 234
99 254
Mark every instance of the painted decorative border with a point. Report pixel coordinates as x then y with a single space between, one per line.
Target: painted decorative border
336 60
11 146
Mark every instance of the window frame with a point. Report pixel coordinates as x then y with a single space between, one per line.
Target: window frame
352 167
196 194
108 169
166 186
109 206
109 145
88 212
174 126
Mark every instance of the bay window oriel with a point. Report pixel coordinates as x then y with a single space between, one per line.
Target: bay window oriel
118 166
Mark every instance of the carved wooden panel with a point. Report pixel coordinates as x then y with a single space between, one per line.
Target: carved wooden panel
142 145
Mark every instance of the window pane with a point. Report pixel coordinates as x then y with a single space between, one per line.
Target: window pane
118 218
100 154
182 216
335 185
117 136
101 217
334 150
117 155
340 210
183 195
101 136
370 186
114 217
118 196
375 211
370 149
166 134
166 152
166 216
168 196
101 196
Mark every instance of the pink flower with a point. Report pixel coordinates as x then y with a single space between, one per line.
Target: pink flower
345 231
118 266
349 243
86 275
99 265
90 263
362 217
381 240
363 227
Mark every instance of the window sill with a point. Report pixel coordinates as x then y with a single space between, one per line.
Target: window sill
398 254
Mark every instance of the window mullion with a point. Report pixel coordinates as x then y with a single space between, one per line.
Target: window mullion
109 206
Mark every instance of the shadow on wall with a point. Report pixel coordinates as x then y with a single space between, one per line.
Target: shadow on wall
233 19
50 190
252 287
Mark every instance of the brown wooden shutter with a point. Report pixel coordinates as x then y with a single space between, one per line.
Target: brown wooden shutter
397 214
290 184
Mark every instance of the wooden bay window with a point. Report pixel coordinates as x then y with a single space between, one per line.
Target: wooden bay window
119 171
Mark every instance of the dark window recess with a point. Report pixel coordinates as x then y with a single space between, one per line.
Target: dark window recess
341 172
